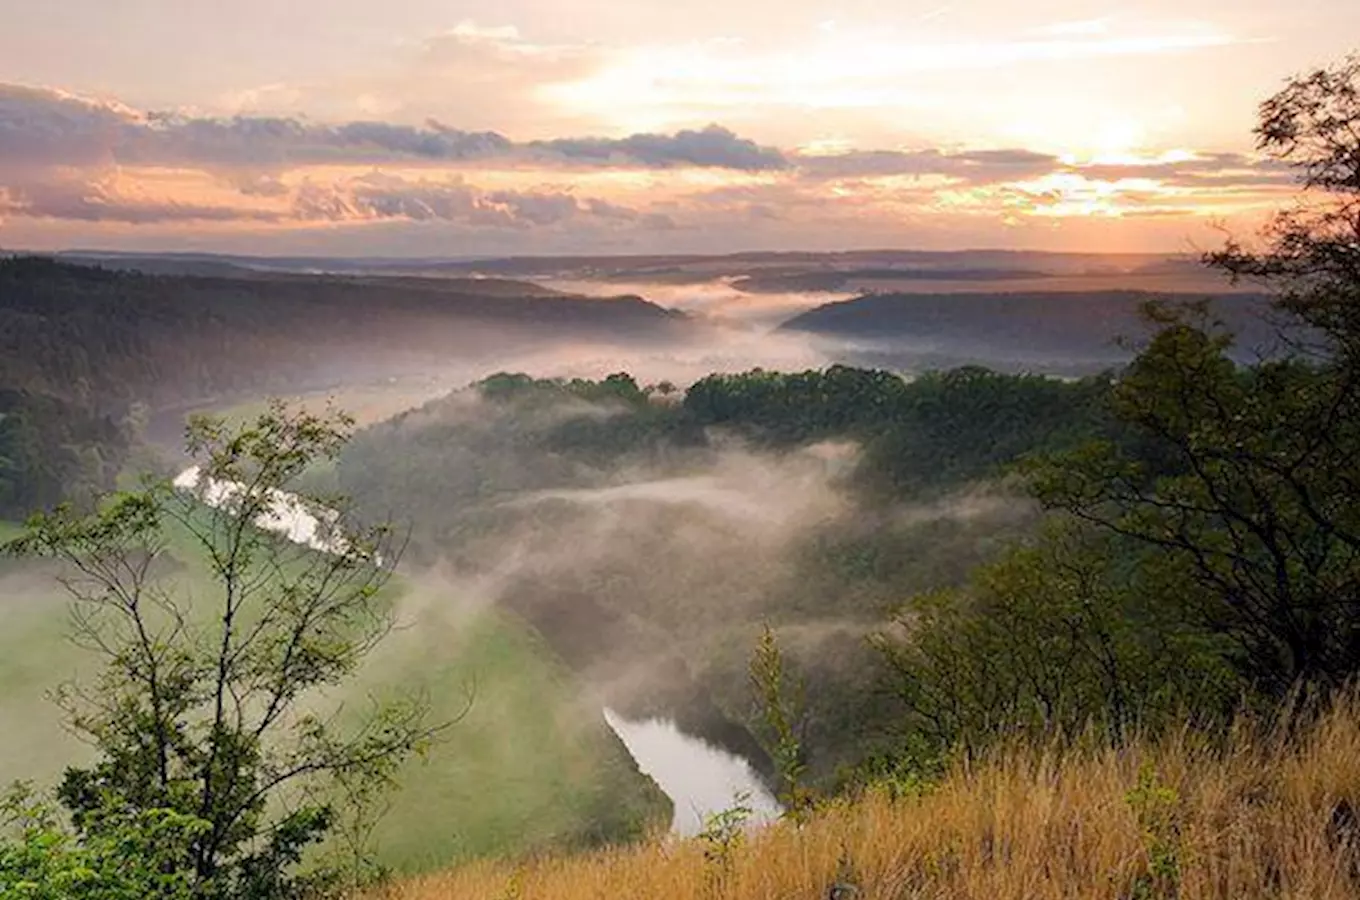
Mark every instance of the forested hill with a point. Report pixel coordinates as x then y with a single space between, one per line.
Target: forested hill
82 347
1073 331
110 336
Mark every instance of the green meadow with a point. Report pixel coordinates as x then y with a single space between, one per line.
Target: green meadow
522 765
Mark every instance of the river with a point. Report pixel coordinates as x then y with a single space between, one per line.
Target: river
699 779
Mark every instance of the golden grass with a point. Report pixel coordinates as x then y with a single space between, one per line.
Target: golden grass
1254 820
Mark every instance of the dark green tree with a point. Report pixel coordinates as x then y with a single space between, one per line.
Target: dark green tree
1248 479
1055 637
1311 257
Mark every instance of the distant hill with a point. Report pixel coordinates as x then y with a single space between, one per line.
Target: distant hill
837 279
117 335
88 354
1069 331
663 267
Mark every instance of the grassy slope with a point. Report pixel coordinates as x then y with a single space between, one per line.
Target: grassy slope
1256 821
35 658
526 767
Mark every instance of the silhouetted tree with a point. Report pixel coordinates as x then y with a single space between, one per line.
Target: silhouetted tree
1249 479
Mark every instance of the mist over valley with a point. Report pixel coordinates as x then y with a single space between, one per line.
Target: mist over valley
641 528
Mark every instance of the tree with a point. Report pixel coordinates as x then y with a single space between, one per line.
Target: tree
209 705
1055 637
782 700
1247 479
1312 257
133 856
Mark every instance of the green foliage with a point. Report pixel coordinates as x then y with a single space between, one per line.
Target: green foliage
1247 483
782 707
909 770
793 408
53 450
207 706
1155 806
937 429
132 855
722 835
971 423
1056 637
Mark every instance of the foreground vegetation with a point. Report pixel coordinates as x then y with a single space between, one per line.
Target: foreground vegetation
1260 815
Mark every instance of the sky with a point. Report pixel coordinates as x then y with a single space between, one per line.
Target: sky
459 128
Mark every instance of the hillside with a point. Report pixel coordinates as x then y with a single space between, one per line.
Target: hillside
647 539
167 339
1074 331
88 356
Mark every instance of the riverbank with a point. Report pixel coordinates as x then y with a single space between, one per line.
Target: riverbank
1260 817
701 776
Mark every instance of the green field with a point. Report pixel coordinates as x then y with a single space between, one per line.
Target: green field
528 766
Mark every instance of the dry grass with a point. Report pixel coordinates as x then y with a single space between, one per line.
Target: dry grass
1259 819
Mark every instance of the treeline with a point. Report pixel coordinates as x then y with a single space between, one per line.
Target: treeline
918 436
934 431
1073 332
98 343
52 449
81 331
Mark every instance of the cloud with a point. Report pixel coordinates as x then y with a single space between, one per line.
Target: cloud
376 197
1209 170
282 142
76 159
46 126
41 125
712 147
849 69
79 200
975 166
51 127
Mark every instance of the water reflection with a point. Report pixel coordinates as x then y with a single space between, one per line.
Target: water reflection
700 779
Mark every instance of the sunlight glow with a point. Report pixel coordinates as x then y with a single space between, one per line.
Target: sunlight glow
839 68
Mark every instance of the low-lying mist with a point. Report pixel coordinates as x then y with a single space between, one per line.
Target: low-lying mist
717 300
573 549
649 566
